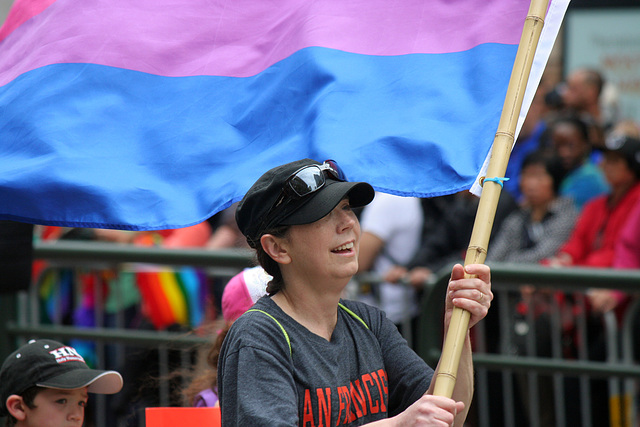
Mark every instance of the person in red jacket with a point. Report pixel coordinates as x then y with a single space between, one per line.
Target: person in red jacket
592 242
598 230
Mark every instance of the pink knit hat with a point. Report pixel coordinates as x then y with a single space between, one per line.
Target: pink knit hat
242 291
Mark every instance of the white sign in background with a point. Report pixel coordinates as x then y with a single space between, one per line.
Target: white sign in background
609 41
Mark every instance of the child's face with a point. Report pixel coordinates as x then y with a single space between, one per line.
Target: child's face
57 408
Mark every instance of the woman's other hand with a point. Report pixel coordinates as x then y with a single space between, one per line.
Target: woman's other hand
472 294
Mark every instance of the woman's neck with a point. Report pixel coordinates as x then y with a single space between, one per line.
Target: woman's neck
318 312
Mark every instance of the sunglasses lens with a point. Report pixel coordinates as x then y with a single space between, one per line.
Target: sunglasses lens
335 170
306 181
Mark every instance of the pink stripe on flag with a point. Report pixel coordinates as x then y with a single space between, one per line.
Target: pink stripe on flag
243 38
21 11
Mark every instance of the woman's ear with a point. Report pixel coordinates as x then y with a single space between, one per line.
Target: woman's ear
276 248
16 407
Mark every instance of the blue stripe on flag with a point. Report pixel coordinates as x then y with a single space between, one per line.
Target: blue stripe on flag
95 146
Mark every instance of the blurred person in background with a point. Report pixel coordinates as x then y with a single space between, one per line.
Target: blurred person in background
570 142
533 136
587 94
598 228
627 250
445 236
391 227
543 221
628 247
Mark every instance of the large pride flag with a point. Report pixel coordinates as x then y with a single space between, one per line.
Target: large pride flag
155 114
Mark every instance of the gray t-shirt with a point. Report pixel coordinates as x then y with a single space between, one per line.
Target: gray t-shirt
365 373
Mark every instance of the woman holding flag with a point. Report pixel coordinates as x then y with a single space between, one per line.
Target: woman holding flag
302 355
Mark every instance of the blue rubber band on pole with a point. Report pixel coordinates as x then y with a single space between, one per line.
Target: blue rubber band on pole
497 179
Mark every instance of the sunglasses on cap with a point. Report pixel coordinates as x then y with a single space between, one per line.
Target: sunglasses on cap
303 182
308 180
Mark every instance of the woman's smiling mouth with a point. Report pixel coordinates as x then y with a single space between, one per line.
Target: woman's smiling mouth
347 247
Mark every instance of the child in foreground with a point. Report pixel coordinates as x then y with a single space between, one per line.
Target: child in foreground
46 384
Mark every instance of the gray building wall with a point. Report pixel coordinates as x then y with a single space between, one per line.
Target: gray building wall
5 5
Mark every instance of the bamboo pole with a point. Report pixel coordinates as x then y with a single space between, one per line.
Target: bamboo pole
502 144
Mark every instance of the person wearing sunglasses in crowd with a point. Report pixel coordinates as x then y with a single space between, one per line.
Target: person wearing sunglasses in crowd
302 355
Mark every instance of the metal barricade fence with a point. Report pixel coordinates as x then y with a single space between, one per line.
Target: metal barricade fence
528 371
493 353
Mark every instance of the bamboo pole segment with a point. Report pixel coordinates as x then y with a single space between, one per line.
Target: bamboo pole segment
502 144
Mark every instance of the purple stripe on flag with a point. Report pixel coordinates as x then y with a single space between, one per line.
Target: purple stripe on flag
243 38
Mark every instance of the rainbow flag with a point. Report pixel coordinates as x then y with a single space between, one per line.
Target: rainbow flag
155 114
172 296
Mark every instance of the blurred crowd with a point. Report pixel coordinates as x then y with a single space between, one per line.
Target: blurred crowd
572 198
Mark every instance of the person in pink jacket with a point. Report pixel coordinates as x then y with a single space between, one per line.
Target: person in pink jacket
627 250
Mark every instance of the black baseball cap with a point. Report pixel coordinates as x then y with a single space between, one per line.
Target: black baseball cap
51 364
256 213
627 147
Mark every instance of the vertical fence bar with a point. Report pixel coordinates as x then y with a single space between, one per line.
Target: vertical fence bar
33 309
7 312
98 290
23 307
615 396
33 306
507 348
163 359
628 355
556 351
483 402
185 366
407 322
583 354
532 378
482 379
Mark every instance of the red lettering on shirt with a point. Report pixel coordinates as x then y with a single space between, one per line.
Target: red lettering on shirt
383 407
308 410
366 378
324 407
353 401
344 404
357 396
